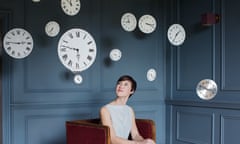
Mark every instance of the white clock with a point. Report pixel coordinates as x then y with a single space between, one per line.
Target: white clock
18 43
115 54
77 49
70 7
151 74
128 22
78 79
206 89
176 34
52 28
147 24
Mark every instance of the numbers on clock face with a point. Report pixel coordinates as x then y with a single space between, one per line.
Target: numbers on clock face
128 22
77 50
147 24
18 43
70 7
176 34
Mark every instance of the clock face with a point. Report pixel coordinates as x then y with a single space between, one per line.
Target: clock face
52 28
128 22
147 24
151 74
70 7
206 89
18 43
77 50
115 54
176 34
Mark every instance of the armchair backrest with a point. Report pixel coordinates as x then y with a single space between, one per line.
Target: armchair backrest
91 131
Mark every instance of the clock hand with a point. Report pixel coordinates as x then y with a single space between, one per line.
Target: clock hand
17 42
176 35
72 48
150 24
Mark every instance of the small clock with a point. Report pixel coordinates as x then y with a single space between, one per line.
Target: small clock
206 89
147 24
115 54
52 28
151 74
78 79
70 7
77 49
18 43
129 22
176 34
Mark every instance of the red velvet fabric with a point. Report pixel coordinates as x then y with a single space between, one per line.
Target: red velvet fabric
92 132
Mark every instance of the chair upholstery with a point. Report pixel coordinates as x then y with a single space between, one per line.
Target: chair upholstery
91 131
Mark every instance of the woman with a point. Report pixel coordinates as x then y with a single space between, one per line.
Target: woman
120 117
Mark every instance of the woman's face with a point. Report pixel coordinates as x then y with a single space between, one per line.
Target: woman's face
124 88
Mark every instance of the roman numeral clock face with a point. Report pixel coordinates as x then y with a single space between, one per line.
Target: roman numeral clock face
77 50
18 43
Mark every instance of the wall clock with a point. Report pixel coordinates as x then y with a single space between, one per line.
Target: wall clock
206 89
115 54
52 28
77 50
147 24
151 74
128 22
78 79
176 34
70 7
18 43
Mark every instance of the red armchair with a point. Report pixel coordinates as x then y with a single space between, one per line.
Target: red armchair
90 131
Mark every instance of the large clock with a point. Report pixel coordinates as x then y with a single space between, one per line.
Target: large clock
77 50
18 43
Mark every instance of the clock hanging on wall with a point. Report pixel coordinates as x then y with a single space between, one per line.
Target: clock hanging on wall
176 34
18 43
70 7
128 22
206 89
77 50
147 24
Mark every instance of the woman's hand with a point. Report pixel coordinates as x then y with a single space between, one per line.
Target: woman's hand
147 141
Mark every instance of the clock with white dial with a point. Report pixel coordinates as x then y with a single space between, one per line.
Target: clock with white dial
78 79
128 22
115 54
147 24
206 89
176 34
52 28
18 43
70 7
77 50
151 74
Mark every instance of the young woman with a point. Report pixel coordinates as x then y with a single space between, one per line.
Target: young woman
120 117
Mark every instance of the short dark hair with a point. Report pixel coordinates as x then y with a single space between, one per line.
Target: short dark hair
131 79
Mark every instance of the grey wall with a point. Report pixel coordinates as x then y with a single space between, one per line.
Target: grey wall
38 92
208 52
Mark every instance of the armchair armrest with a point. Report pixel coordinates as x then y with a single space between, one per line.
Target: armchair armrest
146 128
87 132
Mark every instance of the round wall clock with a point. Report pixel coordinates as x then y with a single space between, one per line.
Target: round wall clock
176 34
78 79
151 74
70 7
115 54
77 50
147 24
128 22
206 89
18 43
52 28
